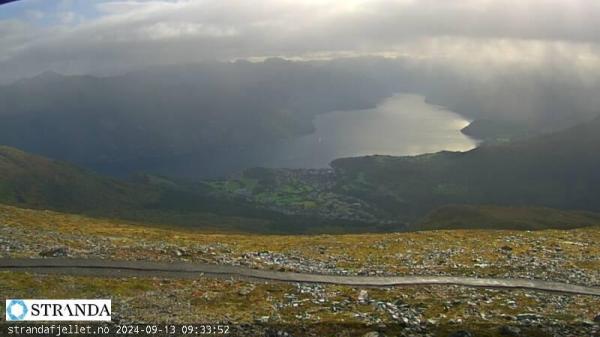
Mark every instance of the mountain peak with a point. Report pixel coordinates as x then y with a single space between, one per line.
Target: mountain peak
48 75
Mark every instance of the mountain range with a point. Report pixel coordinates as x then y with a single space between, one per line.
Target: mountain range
190 121
214 119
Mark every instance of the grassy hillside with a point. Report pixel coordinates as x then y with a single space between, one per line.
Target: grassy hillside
35 181
450 252
465 217
560 170
492 131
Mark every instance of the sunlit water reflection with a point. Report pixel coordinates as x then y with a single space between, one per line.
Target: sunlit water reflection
401 125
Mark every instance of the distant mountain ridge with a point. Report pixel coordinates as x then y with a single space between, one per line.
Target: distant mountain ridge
213 119
189 121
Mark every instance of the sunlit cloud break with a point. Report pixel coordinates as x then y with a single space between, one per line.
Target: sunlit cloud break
80 36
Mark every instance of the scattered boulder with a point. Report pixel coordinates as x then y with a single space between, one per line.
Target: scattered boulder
372 334
278 333
432 321
461 333
180 252
246 290
510 331
588 323
363 296
529 317
55 252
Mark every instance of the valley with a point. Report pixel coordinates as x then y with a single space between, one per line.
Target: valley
515 185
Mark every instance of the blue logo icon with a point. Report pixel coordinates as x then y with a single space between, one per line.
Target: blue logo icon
14 313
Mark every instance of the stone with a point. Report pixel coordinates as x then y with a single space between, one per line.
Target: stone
179 252
262 319
245 291
55 252
372 334
461 333
511 331
529 316
363 296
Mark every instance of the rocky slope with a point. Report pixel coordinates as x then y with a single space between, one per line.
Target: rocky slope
571 256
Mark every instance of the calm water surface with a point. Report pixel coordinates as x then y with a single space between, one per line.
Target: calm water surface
401 125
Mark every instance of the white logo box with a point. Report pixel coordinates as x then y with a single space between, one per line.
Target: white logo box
58 310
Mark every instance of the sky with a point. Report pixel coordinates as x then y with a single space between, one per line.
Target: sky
111 36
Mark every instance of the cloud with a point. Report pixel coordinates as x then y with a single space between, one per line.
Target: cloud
35 14
136 33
